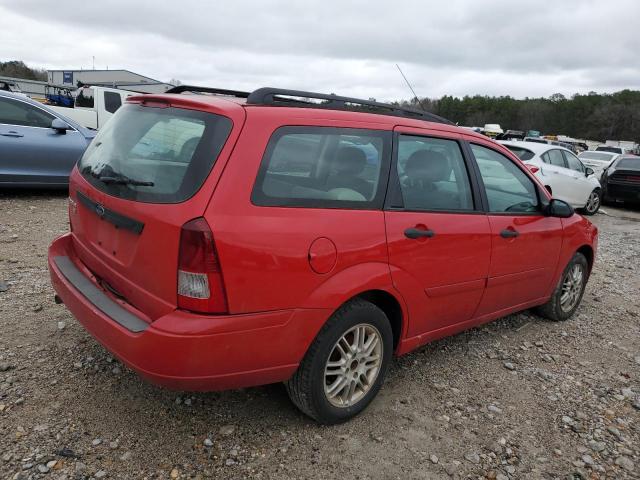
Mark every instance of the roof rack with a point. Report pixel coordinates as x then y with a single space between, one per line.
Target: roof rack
284 97
288 98
219 91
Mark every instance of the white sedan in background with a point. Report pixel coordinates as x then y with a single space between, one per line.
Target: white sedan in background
597 160
562 173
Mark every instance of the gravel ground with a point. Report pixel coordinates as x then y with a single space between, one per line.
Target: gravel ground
520 398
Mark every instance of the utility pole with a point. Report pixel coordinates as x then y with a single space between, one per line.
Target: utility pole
94 62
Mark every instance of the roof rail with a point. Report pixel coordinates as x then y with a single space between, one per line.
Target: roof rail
284 97
219 91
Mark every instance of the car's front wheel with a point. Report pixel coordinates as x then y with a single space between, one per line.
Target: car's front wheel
568 293
593 202
345 366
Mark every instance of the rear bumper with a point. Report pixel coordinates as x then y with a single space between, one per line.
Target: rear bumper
630 193
181 350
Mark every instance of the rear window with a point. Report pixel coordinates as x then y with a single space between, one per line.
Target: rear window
609 149
604 156
628 163
324 167
155 155
522 153
84 98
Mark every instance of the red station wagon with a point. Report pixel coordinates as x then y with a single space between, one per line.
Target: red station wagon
222 239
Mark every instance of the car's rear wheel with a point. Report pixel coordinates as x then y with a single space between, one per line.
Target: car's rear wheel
568 293
593 202
345 366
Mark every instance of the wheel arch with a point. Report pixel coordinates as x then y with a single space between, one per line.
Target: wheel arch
391 307
588 253
369 281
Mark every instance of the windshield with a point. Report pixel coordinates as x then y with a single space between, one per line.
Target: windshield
157 155
597 156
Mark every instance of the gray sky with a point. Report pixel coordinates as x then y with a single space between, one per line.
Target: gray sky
455 47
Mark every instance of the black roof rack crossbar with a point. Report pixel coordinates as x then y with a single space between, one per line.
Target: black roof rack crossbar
219 91
284 97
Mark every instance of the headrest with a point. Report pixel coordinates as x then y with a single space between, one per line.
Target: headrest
427 165
350 160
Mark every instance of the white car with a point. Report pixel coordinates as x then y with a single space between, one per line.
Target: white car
562 173
597 160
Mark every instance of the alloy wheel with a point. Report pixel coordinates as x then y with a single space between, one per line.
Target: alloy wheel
593 202
353 365
572 288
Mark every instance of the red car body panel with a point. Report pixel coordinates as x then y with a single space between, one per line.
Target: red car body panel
286 270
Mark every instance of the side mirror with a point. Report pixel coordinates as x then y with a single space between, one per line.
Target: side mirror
559 208
59 126
588 171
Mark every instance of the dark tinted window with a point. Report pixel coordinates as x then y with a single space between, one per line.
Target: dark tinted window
15 112
522 153
323 167
432 174
112 101
171 150
508 188
573 162
554 157
84 98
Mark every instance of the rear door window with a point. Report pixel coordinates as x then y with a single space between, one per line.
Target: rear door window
324 167
554 157
157 155
432 175
573 162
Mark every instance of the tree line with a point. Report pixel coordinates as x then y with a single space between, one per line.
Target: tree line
18 69
593 116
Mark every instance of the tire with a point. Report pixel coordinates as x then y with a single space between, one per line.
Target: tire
554 309
593 203
308 387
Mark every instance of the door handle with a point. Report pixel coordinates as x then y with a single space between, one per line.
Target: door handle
509 233
12 134
414 233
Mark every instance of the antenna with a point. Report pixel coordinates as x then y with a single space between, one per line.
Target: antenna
411 88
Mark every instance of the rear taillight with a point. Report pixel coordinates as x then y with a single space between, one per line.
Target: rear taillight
533 168
200 284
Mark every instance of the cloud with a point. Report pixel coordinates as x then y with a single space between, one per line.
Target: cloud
456 47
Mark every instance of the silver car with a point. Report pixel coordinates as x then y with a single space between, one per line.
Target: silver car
38 147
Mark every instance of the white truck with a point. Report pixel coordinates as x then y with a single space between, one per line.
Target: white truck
618 146
93 106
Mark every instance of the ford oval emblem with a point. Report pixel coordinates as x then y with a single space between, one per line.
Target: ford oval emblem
100 210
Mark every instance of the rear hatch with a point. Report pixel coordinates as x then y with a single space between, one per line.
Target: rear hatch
151 169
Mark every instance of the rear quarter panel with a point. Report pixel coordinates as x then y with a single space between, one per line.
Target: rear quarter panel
264 251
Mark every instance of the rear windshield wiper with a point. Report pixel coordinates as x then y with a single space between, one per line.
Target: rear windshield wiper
122 180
